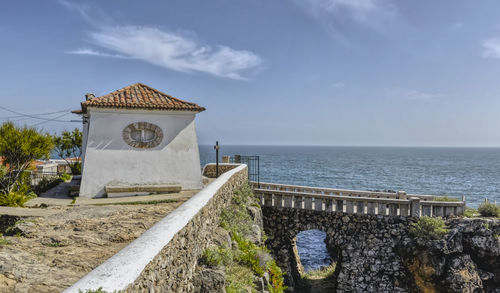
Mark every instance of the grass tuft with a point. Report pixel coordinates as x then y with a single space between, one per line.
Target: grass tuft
487 209
429 228
445 198
321 273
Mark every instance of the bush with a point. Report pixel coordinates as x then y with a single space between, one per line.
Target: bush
15 199
46 184
429 228
217 256
277 279
487 209
65 177
470 212
239 279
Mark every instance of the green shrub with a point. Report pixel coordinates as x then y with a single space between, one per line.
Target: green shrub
3 241
248 254
235 218
65 177
46 184
277 279
15 199
470 212
445 198
217 256
429 228
239 279
487 209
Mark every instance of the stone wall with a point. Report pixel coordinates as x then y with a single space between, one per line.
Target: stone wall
175 244
210 169
378 254
173 268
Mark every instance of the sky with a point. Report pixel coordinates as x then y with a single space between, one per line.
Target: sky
284 72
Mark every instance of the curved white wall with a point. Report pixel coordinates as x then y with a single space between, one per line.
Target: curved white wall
123 268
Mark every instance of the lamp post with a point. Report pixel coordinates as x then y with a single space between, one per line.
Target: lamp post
216 148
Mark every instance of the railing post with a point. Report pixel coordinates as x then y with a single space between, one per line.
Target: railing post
402 194
415 206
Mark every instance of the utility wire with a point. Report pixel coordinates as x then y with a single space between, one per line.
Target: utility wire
49 120
35 117
40 114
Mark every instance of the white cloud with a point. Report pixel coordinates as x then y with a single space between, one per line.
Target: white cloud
491 48
173 51
370 13
421 96
92 52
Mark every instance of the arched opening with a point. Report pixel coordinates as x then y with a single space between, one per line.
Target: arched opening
315 262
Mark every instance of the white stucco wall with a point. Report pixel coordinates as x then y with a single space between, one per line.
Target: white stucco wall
109 160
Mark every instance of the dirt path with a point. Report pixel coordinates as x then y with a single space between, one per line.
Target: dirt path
51 253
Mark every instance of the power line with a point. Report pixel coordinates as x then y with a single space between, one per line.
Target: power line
39 114
49 120
35 117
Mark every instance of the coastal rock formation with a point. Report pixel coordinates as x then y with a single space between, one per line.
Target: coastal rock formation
379 254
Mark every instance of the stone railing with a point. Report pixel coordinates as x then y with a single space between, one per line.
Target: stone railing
209 169
355 201
163 259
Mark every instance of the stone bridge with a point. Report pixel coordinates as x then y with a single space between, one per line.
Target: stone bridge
367 236
364 247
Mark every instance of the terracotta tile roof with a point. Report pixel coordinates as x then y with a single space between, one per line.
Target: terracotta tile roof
138 96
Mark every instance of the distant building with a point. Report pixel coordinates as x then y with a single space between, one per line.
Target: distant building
138 136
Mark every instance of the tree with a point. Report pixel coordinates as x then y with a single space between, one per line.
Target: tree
19 146
69 145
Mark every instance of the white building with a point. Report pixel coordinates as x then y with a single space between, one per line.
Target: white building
138 136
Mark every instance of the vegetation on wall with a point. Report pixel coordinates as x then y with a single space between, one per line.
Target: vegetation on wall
488 209
429 228
243 261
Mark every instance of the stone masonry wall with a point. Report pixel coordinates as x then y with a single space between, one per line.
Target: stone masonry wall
173 268
209 169
378 254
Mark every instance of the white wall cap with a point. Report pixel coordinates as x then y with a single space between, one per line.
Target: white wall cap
123 268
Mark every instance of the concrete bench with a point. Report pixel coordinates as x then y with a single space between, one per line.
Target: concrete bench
127 190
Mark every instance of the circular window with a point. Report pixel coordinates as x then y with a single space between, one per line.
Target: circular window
142 135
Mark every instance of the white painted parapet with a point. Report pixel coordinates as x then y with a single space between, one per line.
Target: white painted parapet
124 268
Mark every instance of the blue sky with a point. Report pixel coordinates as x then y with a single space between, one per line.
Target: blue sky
300 72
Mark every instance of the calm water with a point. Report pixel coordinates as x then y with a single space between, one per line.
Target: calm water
473 172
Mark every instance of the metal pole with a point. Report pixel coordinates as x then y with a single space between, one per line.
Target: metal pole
216 148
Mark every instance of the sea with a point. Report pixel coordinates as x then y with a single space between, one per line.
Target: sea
470 172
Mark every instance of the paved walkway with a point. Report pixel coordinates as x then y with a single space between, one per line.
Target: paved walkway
57 197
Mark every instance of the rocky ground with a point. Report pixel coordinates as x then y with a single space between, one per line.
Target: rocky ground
48 254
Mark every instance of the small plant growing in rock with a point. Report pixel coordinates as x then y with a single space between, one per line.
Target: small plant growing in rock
488 209
429 228
445 198
470 212
3 241
217 256
277 280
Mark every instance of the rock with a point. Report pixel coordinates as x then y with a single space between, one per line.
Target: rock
6 284
221 237
210 281
255 234
259 284
462 276
263 258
